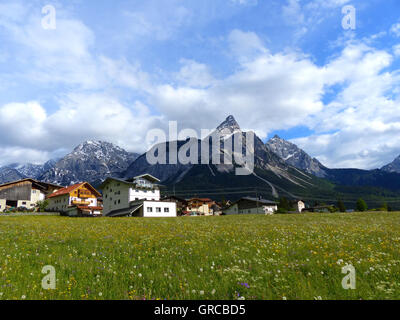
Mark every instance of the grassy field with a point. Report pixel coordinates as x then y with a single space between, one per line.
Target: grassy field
242 257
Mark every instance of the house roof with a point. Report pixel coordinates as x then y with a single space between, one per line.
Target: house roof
146 176
70 189
129 181
261 201
176 198
126 211
201 199
43 184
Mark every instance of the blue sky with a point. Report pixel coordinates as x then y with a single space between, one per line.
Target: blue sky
113 70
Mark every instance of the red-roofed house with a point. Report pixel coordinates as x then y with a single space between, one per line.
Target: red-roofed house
77 200
200 206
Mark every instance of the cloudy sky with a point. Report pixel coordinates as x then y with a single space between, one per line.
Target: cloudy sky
112 70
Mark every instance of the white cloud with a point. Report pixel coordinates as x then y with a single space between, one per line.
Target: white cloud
396 50
245 45
395 29
194 74
265 91
292 12
280 91
158 20
245 2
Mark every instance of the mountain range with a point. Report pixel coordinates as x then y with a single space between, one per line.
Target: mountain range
91 161
280 169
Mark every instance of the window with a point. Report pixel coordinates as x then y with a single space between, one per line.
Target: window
119 201
149 209
166 210
158 209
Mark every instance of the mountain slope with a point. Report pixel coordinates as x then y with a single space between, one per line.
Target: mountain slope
393 166
295 156
385 179
8 174
271 173
91 161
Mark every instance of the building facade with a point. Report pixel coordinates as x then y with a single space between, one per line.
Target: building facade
3 205
251 206
139 197
26 193
200 206
78 197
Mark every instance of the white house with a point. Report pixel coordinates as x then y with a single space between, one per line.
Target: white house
136 197
300 206
249 205
3 205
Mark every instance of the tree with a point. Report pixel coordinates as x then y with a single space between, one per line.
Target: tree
385 207
283 205
361 205
341 206
42 205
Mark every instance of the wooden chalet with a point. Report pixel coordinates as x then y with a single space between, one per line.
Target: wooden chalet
77 200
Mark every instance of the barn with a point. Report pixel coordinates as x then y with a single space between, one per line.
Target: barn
25 193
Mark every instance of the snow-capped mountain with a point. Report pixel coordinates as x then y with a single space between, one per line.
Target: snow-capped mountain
28 170
228 127
91 161
393 166
271 172
8 174
295 156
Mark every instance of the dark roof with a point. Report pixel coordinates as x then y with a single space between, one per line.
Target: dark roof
126 211
129 181
147 176
257 200
175 197
33 181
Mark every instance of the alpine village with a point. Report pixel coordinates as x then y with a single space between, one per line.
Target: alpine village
100 179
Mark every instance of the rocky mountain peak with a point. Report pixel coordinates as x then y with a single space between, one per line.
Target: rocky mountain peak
90 161
295 156
229 126
393 166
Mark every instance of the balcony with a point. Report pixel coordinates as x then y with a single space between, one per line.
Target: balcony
80 203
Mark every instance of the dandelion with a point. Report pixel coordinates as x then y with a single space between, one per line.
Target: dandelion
23 297
100 294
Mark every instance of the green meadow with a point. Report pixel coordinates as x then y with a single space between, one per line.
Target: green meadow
227 257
